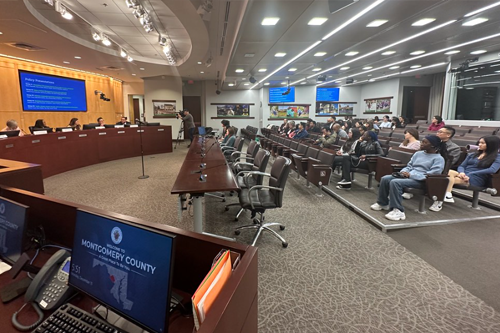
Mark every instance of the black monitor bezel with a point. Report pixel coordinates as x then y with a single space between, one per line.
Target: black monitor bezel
172 259
88 127
24 241
60 129
10 134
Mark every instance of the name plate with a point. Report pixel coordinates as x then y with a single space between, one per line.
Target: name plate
100 127
9 146
161 129
67 130
39 132
119 126
133 125
82 135
61 137
35 141
102 133
121 132
140 131
3 136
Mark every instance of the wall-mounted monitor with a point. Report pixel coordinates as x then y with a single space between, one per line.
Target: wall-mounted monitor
276 95
327 94
42 92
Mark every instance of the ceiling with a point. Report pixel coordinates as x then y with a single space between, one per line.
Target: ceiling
220 38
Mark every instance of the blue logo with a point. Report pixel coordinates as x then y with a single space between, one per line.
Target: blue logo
116 235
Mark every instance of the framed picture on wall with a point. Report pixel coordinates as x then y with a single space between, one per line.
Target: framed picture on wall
164 109
233 110
378 105
289 111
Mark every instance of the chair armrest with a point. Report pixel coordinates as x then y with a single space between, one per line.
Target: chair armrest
437 176
321 166
251 173
238 153
398 165
257 187
242 163
314 160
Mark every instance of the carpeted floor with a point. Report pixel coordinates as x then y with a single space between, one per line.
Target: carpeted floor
339 273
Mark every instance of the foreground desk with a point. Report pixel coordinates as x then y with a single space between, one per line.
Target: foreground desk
26 176
235 310
64 151
217 176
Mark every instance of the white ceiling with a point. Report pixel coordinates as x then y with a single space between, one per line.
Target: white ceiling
237 24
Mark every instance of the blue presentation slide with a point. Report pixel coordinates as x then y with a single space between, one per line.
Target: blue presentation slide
327 94
124 267
12 225
52 93
276 95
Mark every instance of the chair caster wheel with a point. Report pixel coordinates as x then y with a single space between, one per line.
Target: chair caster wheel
282 227
226 208
285 245
236 232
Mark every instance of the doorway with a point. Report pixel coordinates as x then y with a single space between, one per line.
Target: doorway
135 107
415 103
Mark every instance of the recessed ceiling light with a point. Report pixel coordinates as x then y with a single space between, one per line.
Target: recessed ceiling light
303 82
351 53
478 52
262 70
344 68
134 74
376 23
452 52
316 69
394 67
246 84
243 78
422 22
469 88
371 80
474 22
270 20
77 57
199 62
287 77
65 62
319 54
369 74
367 68
317 21
419 52
230 84
416 66
330 75
280 54
1 33
388 52
249 55
292 69
497 71
284 82
239 70
266 84
141 69
202 72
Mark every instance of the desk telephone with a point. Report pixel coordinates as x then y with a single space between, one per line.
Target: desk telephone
49 289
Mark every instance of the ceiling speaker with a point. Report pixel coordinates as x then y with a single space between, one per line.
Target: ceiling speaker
252 79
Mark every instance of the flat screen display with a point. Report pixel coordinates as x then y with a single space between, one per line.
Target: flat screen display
12 229
42 92
126 267
327 94
276 95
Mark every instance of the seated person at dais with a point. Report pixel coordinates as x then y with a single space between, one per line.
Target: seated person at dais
74 123
225 126
369 146
231 136
40 123
424 162
100 122
123 121
300 132
475 169
12 126
411 140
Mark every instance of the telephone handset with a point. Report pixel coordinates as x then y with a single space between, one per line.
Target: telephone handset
49 289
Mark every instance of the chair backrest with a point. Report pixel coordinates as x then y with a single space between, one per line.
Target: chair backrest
279 175
402 156
252 149
260 164
302 148
238 143
294 145
312 152
326 157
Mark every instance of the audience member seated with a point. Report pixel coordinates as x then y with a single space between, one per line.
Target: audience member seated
231 137
300 132
424 162
74 123
370 126
436 124
475 169
349 147
100 122
411 140
451 149
312 128
225 126
376 120
291 129
284 126
347 126
327 140
339 132
402 121
40 123
368 147
123 121
386 122
396 123
12 126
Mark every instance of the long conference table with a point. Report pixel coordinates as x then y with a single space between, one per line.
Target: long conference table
214 177
64 151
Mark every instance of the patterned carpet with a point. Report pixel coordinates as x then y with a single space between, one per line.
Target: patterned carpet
339 273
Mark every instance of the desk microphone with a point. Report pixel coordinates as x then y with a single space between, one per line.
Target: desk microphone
203 177
203 165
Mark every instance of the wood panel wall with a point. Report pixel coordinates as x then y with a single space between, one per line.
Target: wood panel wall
11 106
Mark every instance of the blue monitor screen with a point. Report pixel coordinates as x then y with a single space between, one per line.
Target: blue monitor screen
52 93
126 267
276 95
327 94
12 229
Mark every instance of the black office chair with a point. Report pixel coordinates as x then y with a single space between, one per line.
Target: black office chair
259 198
237 146
237 156
249 178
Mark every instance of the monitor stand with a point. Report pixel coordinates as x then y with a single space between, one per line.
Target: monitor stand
116 320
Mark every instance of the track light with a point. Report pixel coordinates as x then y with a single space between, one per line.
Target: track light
123 53
149 27
162 40
129 58
65 13
49 2
138 12
96 36
145 19
131 3
105 40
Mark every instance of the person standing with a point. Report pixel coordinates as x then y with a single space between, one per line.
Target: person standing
188 120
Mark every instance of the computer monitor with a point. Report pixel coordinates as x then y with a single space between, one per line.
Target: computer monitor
201 131
153 124
109 126
89 126
9 133
13 217
126 267
64 129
